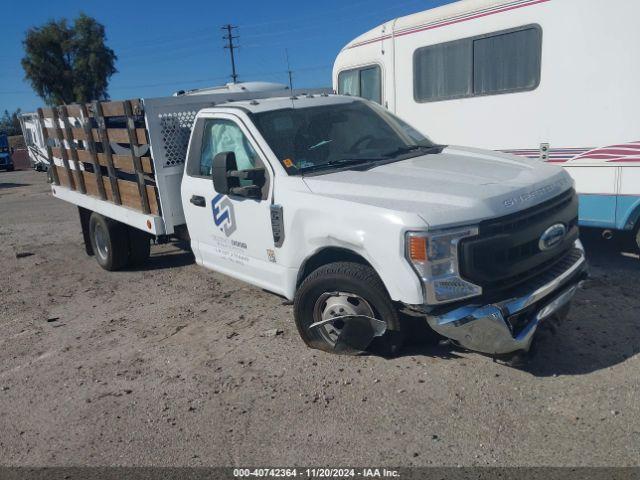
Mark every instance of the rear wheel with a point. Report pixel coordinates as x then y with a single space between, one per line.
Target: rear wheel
109 241
344 289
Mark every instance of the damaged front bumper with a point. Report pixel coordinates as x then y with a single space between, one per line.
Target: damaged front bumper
508 326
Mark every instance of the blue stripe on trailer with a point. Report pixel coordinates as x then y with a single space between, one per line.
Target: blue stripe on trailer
620 212
627 211
598 211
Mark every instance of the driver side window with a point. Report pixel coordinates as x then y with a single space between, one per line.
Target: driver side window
225 136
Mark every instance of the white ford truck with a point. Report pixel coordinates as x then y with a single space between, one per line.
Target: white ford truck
333 203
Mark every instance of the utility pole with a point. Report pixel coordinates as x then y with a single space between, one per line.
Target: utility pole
286 51
230 37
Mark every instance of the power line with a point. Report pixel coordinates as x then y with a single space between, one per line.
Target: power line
230 37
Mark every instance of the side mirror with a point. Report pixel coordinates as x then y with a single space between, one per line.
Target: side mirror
226 177
223 163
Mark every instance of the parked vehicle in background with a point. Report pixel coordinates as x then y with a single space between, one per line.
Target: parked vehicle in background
34 141
6 162
330 202
554 80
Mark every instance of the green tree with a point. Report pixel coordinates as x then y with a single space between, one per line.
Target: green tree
67 64
10 123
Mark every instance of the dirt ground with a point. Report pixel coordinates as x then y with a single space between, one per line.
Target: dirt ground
171 365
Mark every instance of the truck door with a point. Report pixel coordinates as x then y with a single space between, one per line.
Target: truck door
230 234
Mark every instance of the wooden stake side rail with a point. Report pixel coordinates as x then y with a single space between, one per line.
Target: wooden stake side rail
82 138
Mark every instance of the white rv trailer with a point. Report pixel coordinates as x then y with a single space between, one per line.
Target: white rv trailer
34 141
549 79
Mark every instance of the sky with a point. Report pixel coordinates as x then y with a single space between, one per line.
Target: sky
167 46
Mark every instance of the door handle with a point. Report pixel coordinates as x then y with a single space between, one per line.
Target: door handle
198 201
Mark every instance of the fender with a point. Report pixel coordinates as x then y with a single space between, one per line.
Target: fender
341 232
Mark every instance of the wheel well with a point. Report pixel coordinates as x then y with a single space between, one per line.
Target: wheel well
326 256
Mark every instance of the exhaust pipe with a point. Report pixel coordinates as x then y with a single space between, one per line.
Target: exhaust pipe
607 234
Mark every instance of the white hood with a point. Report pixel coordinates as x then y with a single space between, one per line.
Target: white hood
459 186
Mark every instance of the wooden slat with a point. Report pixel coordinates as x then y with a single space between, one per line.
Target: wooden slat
68 135
137 165
131 196
63 151
45 137
46 112
61 172
152 193
79 133
128 190
116 135
92 185
117 109
121 135
113 180
74 110
91 152
120 162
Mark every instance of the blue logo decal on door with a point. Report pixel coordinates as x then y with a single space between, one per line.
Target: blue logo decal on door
223 214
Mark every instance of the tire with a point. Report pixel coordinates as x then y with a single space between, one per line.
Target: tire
356 280
139 247
109 241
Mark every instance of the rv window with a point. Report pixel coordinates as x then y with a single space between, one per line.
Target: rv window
361 82
507 62
443 71
370 87
348 83
501 62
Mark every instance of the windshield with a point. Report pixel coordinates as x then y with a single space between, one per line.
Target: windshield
338 135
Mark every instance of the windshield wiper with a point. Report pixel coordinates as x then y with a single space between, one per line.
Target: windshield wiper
413 148
345 162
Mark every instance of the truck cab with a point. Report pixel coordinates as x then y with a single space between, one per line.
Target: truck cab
343 208
6 161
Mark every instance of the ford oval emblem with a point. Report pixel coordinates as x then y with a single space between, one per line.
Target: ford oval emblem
552 236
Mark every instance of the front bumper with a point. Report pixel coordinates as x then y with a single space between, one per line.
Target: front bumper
508 326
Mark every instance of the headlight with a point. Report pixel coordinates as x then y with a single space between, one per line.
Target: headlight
434 256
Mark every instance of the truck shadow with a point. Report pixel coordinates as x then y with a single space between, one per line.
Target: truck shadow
602 330
175 255
6 185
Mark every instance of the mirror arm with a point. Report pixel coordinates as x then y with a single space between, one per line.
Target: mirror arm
251 191
253 174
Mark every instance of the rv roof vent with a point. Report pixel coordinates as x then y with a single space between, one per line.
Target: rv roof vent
254 102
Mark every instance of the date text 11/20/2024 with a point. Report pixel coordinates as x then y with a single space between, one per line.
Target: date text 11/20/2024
315 473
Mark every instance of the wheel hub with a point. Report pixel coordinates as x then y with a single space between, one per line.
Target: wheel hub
102 246
339 305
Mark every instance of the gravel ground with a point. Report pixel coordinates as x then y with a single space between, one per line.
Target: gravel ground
172 365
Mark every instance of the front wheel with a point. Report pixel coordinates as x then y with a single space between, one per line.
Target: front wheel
344 289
